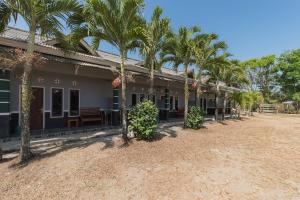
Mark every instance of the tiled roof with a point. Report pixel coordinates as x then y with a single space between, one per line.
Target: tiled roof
116 58
22 35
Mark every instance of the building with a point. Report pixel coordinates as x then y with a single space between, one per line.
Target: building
68 87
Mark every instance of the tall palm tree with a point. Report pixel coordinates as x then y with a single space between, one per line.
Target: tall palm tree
153 36
118 22
206 48
179 50
44 17
222 70
216 71
234 76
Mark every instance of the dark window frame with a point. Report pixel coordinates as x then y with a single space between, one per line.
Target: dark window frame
136 99
71 115
62 103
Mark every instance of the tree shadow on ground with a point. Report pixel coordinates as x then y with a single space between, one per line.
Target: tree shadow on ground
4 160
223 123
51 149
165 131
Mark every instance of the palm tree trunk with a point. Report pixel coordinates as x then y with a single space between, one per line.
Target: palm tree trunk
217 103
198 96
123 100
25 153
231 108
224 106
151 80
186 95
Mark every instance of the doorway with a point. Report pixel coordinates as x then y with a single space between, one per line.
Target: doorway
37 109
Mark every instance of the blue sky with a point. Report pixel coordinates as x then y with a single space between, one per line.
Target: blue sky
251 28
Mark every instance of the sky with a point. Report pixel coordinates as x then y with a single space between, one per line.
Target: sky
251 28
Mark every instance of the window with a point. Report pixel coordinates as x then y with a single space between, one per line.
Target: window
201 103
142 97
74 103
133 100
176 103
171 103
56 102
153 98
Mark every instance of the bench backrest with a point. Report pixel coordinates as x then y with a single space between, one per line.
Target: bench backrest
86 112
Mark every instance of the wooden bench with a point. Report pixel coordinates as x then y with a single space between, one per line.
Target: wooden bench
180 112
90 115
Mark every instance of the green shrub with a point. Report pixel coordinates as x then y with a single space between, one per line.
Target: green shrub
194 118
143 120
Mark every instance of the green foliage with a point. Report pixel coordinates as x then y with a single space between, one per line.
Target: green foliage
296 97
152 37
260 73
119 22
248 99
143 120
179 49
195 118
45 16
288 74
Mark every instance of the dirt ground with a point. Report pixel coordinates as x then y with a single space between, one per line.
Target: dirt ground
257 158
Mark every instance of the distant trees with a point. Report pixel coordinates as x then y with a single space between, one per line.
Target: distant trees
261 74
288 73
278 79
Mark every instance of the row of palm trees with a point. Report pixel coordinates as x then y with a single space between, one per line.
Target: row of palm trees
120 23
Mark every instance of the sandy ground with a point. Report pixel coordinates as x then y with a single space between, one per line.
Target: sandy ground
257 158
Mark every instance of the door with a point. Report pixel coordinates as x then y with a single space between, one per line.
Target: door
37 109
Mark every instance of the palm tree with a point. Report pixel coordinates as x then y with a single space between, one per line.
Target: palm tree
179 50
229 72
206 48
118 22
44 17
216 71
234 76
153 36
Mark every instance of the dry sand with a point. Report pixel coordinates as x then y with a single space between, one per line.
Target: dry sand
257 158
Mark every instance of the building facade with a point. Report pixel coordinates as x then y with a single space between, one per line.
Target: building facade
66 86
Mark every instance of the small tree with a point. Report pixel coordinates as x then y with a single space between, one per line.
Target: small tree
195 118
143 119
